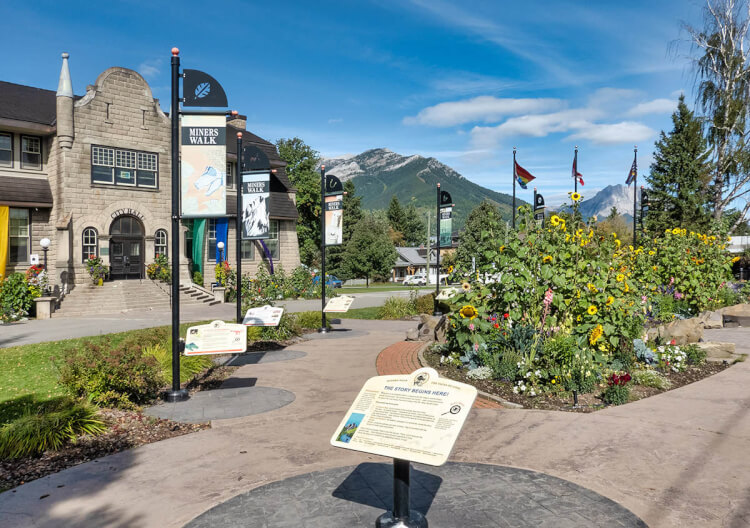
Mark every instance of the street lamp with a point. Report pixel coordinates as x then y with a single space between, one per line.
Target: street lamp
220 245
45 242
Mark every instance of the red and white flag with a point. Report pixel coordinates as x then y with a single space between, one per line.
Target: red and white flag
577 174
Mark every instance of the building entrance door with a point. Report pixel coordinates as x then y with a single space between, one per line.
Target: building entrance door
126 248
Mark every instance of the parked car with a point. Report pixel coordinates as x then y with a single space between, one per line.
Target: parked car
415 280
331 281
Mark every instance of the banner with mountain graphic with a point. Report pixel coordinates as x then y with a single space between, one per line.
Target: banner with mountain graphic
203 166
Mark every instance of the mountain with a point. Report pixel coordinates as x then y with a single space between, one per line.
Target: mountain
600 205
378 174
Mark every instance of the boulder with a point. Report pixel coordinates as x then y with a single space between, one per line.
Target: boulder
412 334
428 327
683 331
712 320
741 310
717 351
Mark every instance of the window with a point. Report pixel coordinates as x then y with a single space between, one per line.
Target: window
273 241
160 242
31 152
90 243
188 238
230 175
211 239
19 235
247 250
129 168
6 150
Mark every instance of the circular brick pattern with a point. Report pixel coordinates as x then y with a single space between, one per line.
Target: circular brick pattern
453 495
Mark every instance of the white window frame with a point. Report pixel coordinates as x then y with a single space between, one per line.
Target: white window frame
86 242
273 242
161 233
124 159
12 236
231 175
211 228
25 151
9 135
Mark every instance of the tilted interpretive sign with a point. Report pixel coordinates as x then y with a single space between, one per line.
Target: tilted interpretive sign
217 337
339 304
263 316
414 417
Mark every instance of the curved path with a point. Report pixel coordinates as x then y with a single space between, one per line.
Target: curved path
675 460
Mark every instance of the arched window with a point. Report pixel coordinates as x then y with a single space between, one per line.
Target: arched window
90 243
160 242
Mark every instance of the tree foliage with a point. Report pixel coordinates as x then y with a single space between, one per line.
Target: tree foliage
302 161
407 228
370 251
484 231
679 176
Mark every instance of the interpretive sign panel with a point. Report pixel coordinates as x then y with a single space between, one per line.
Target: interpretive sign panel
447 293
334 220
263 316
217 337
256 200
413 417
203 156
339 304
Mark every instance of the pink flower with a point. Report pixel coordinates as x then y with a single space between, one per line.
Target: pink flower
548 297
471 327
644 299
476 347
671 280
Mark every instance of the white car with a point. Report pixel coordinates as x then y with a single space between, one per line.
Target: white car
415 280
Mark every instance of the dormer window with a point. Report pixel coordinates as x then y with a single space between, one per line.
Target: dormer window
121 167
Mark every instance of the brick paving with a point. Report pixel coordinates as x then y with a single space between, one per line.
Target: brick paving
403 358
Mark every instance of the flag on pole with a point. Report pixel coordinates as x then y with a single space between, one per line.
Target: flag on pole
522 175
577 175
633 172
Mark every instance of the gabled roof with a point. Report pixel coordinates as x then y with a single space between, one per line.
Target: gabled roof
410 256
25 103
281 206
281 183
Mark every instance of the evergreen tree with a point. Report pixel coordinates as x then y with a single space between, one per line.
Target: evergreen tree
413 227
370 251
396 219
301 168
679 176
484 230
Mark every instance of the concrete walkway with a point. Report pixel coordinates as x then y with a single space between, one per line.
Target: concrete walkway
55 329
675 460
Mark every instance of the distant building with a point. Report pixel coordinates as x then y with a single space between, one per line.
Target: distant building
93 174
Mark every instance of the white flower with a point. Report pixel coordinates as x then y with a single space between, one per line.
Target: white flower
532 393
523 387
538 373
515 390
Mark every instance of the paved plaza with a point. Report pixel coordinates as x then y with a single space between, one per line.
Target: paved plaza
673 460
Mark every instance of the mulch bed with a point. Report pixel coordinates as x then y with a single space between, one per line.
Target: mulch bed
127 429
564 401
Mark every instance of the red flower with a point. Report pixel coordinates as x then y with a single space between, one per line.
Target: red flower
673 342
497 325
505 316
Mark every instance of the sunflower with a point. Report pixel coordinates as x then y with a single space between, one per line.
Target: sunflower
468 311
676 231
450 269
592 310
617 241
575 196
502 248
610 300
596 334
466 286
592 288
547 258
620 277
555 220
735 259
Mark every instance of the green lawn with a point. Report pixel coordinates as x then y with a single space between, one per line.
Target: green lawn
381 288
361 313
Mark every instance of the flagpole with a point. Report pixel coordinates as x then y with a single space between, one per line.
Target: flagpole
575 170
514 187
635 193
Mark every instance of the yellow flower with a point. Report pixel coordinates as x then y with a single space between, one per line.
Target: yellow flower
676 231
610 300
617 241
626 289
592 310
502 248
656 268
555 220
547 258
652 252
575 196
596 334
466 286
592 288
620 277
553 381
450 269
468 311
735 259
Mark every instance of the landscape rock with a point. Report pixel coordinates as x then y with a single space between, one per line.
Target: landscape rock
683 332
412 334
718 351
712 319
742 310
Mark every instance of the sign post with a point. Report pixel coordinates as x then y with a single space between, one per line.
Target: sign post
331 229
539 208
435 410
444 234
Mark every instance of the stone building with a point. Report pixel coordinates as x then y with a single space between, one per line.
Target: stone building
92 174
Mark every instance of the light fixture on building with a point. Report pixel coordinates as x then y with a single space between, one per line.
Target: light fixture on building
220 245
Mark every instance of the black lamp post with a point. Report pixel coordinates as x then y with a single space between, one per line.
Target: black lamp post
220 246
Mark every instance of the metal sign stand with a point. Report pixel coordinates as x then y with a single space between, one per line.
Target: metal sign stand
401 516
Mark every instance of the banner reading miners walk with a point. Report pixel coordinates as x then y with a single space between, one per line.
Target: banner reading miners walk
256 199
203 157
334 220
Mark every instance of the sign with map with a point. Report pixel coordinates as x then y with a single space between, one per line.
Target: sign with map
263 316
217 337
414 417
203 166
339 304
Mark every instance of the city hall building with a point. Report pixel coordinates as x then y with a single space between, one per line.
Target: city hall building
92 174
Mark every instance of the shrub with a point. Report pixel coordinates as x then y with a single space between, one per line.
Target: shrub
96 269
396 308
425 304
16 298
190 366
50 426
650 378
617 391
198 278
301 282
118 376
159 269
221 271
287 329
672 358
310 320
695 355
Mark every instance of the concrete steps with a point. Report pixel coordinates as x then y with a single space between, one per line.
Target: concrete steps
128 295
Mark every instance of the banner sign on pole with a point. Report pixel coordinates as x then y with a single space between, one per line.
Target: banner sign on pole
254 159
445 199
334 220
216 338
414 417
203 166
339 304
446 226
333 185
263 316
200 89
255 204
539 202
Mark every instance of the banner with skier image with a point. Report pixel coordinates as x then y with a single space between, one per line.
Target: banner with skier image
203 156
334 220
256 199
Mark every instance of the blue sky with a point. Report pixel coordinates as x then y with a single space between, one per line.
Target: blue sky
461 81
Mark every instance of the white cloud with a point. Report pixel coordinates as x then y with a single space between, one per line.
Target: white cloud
150 68
657 106
334 121
485 109
611 134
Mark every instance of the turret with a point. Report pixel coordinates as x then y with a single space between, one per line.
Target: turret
65 130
